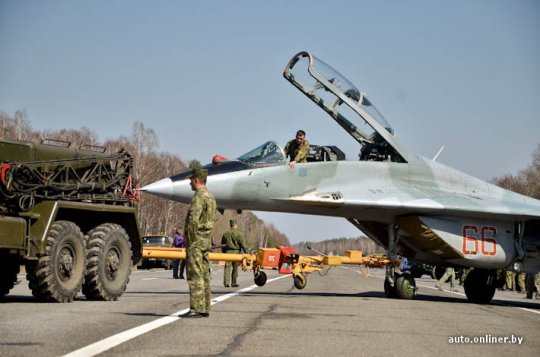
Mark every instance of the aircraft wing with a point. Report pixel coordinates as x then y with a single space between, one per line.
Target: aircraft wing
407 201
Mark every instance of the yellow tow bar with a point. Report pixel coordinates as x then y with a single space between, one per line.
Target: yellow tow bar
284 259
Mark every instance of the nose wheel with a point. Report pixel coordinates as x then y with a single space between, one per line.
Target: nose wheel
389 288
405 287
402 286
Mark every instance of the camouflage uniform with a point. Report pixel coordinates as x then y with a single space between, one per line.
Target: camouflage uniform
297 152
510 277
233 240
464 274
199 223
449 273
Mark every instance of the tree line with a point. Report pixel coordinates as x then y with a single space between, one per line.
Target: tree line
156 215
526 181
338 246
160 216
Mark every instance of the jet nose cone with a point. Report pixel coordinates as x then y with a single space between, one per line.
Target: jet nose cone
173 190
163 188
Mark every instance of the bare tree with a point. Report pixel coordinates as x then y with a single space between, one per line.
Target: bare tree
16 128
527 181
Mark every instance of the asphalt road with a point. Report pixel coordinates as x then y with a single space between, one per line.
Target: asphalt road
342 313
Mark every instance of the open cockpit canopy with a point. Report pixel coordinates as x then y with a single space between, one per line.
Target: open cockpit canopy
349 107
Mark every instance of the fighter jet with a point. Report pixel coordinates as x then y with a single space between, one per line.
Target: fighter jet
412 206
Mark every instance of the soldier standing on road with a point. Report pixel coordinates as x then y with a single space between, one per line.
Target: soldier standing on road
233 242
297 149
199 224
510 279
449 273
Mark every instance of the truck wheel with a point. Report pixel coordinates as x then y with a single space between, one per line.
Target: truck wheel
9 266
108 252
57 276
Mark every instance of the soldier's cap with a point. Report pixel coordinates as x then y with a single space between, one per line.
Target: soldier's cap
232 222
200 173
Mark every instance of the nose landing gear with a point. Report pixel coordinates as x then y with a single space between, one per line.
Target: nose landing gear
402 286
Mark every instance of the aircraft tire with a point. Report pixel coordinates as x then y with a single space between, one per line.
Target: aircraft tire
389 290
260 278
405 287
480 286
108 251
58 274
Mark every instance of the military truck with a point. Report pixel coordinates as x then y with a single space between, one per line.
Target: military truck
69 215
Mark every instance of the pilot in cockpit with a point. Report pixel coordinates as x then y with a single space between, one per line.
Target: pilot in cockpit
297 149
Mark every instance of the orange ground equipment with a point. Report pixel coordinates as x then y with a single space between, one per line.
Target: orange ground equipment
284 259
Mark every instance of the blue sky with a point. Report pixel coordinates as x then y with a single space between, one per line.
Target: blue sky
207 76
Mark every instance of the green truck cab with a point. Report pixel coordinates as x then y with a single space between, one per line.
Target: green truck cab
70 217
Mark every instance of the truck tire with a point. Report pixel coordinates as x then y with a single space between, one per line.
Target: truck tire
57 276
108 252
9 266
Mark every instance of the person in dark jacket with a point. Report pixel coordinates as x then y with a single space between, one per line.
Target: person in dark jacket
179 242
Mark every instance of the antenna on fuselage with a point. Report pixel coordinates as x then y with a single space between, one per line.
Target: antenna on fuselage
438 153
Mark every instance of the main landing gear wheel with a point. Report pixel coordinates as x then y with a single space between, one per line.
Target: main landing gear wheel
300 281
405 287
389 290
480 286
59 273
109 261
260 278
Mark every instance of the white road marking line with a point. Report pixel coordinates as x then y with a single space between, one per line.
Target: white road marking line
115 340
149 279
529 310
448 291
